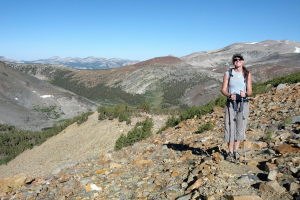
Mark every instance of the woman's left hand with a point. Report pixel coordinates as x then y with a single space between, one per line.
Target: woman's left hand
243 94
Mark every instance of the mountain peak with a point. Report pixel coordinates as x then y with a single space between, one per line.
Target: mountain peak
165 60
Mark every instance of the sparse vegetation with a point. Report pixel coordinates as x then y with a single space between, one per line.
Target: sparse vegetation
260 88
205 127
44 109
287 121
14 141
145 107
100 93
83 117
5 128
268 136
50 111
175 89
122 111
141 131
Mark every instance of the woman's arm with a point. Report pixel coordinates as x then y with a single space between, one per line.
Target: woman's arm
224 89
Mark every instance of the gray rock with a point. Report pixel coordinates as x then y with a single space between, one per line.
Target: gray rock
185 197
243 180
296 119
270 151
281 86
207 159
63 166
184 185
85 181
272 175
174 187
294 170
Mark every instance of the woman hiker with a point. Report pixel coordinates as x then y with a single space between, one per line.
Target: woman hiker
237 86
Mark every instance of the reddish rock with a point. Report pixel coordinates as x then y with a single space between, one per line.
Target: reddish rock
252 163
8 184
102 171
270 167
142 162
217 157
186 156
254 145
196 185
175 173
264 121
286 149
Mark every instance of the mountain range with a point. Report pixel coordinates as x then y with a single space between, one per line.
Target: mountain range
169 82
90 62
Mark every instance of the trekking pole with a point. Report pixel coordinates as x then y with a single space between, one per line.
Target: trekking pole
235 107
244 153
242 107
244 130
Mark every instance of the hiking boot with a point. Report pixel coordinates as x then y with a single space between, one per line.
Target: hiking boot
236 155
230 157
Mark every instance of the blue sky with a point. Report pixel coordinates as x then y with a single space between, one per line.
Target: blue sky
139 29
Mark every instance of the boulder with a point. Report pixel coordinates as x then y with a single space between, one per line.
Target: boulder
286 149
271 187
254 145
281 87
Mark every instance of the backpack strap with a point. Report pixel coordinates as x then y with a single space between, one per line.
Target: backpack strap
230 75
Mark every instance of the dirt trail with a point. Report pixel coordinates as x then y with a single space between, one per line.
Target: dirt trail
74 144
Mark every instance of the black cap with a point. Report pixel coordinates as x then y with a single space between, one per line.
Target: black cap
237 55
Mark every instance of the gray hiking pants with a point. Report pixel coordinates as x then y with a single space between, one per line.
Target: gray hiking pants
235 125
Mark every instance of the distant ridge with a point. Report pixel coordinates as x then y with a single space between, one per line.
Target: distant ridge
90 62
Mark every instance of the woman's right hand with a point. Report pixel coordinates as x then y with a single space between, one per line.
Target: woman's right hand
233 97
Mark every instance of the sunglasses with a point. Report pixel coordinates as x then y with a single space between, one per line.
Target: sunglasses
237 59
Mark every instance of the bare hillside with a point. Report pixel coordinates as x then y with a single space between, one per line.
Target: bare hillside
76 143
30 103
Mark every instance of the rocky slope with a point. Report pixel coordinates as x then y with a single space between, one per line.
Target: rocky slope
193 79
73 145
30 103
183 164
